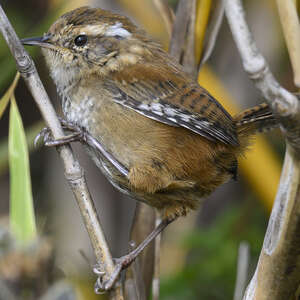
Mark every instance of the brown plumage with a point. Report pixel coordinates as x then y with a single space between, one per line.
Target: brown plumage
177 142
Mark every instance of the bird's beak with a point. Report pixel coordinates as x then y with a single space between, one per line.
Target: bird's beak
42 41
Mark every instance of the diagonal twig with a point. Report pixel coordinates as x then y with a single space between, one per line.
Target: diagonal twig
285 105
73 172
212 31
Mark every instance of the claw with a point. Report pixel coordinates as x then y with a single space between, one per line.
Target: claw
125 261
97 271
99 289
102 286
99 285
35 142
44 133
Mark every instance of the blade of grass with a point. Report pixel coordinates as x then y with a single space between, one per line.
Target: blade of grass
22 219
5 99
31 133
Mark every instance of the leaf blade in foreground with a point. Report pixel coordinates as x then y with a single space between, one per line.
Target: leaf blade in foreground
22 219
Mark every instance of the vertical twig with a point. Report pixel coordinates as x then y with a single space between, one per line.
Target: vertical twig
180 27
134 283
157 250
188 59
73 172
142 225
242 271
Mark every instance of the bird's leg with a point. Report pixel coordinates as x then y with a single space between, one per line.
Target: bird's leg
125 261
79 135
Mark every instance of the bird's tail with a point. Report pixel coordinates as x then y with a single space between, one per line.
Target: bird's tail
256 119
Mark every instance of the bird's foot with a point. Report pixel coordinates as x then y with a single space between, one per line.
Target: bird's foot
122 263
77 135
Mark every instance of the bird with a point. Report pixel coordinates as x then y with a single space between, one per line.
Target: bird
154 132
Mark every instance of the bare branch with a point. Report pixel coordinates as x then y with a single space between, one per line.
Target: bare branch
134 283
188 59
180 27
157 251
284 104
242 270
73 172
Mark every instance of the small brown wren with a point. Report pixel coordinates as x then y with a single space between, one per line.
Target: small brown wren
161 137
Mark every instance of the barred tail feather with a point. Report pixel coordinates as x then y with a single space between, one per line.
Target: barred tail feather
256 119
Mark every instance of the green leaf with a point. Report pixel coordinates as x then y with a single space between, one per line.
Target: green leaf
5 99
22 219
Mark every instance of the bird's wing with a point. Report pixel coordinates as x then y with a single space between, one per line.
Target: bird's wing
168 97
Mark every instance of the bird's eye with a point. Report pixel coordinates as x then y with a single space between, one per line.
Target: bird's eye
80 40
